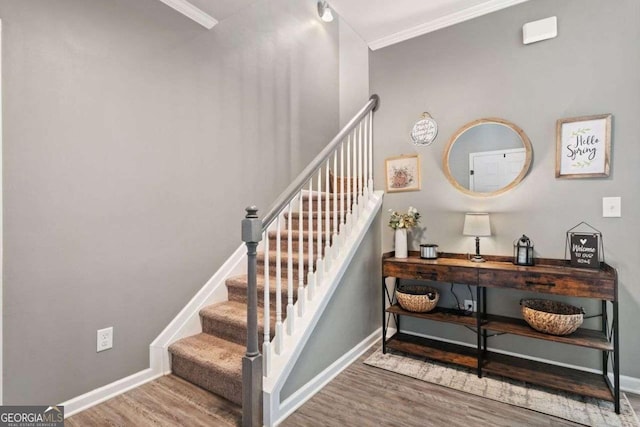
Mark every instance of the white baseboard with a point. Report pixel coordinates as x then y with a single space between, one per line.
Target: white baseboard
628 384
307 391
99 395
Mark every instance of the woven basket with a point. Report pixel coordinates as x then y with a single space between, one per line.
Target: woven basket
417 298
551 317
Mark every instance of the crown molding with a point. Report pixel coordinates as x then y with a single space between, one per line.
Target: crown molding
192 12
442 22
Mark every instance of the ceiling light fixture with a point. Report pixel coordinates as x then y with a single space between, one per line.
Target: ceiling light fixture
325 11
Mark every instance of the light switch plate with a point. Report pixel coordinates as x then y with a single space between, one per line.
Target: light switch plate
611 207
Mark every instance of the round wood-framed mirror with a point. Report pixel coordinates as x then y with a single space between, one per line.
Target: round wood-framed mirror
487 157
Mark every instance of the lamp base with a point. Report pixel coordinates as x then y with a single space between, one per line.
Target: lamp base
477 258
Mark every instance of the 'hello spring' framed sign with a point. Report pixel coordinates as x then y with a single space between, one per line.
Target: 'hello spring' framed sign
583 146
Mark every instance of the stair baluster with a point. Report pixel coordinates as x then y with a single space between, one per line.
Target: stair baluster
290 316
341 229
334 239
354 205
311 278
301 291
319 262
370 115
359 178
349 187
278 339
327 220
266 345
365 168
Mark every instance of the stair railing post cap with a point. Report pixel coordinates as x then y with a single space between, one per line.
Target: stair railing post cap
251 226
252 212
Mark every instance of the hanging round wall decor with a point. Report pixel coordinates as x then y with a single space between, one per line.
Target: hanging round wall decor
424 131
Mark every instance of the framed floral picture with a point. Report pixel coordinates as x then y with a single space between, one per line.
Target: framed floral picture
583 146
402 173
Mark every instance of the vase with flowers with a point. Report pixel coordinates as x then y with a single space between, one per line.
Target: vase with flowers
401 222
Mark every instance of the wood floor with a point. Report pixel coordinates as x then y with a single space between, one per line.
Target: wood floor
167 401
360 396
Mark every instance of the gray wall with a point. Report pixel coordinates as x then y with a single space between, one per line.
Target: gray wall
352 314
480 68
133 140
354 72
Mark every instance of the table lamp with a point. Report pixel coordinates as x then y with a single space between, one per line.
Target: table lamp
477 225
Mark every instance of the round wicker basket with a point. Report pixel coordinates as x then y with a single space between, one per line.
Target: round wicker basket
417 298
551 317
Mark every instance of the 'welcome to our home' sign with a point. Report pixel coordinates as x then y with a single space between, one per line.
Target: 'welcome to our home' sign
584 250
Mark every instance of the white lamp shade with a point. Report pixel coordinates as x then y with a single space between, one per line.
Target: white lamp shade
476 224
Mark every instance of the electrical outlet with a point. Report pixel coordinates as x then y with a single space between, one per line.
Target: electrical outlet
468 304
105 339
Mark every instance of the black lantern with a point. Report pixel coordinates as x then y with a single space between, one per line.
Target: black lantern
523 251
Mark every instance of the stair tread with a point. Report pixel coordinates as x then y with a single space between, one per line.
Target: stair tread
295 233
211 352
305 214
284 255
230 312
241 282
212 363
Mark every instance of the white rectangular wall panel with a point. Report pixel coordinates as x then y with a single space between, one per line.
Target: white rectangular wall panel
542 29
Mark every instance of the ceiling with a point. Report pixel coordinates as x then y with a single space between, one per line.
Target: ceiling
382 22
379 22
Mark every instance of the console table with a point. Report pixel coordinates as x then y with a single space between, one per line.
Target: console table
548 276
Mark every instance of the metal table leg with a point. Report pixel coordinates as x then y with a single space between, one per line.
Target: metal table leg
479 328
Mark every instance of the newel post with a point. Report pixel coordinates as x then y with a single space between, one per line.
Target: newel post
252 360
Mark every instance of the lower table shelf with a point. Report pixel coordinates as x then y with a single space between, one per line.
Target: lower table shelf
538 373
434 350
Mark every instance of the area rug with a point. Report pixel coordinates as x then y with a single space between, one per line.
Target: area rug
579 409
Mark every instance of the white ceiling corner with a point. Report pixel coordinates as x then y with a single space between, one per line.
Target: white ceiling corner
382 23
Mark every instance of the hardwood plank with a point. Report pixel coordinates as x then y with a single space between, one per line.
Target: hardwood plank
167 401
552 376
363 395
582 337
434 350
634 399
438 314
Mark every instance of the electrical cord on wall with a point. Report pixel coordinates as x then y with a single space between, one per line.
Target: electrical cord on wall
456 297
460 308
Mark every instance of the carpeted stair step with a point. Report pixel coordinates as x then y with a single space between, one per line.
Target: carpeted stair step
211 363
324 198
228 320
237 290
297 216
284 263
295 240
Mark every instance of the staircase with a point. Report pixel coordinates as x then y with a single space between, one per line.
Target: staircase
304 244
213 358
